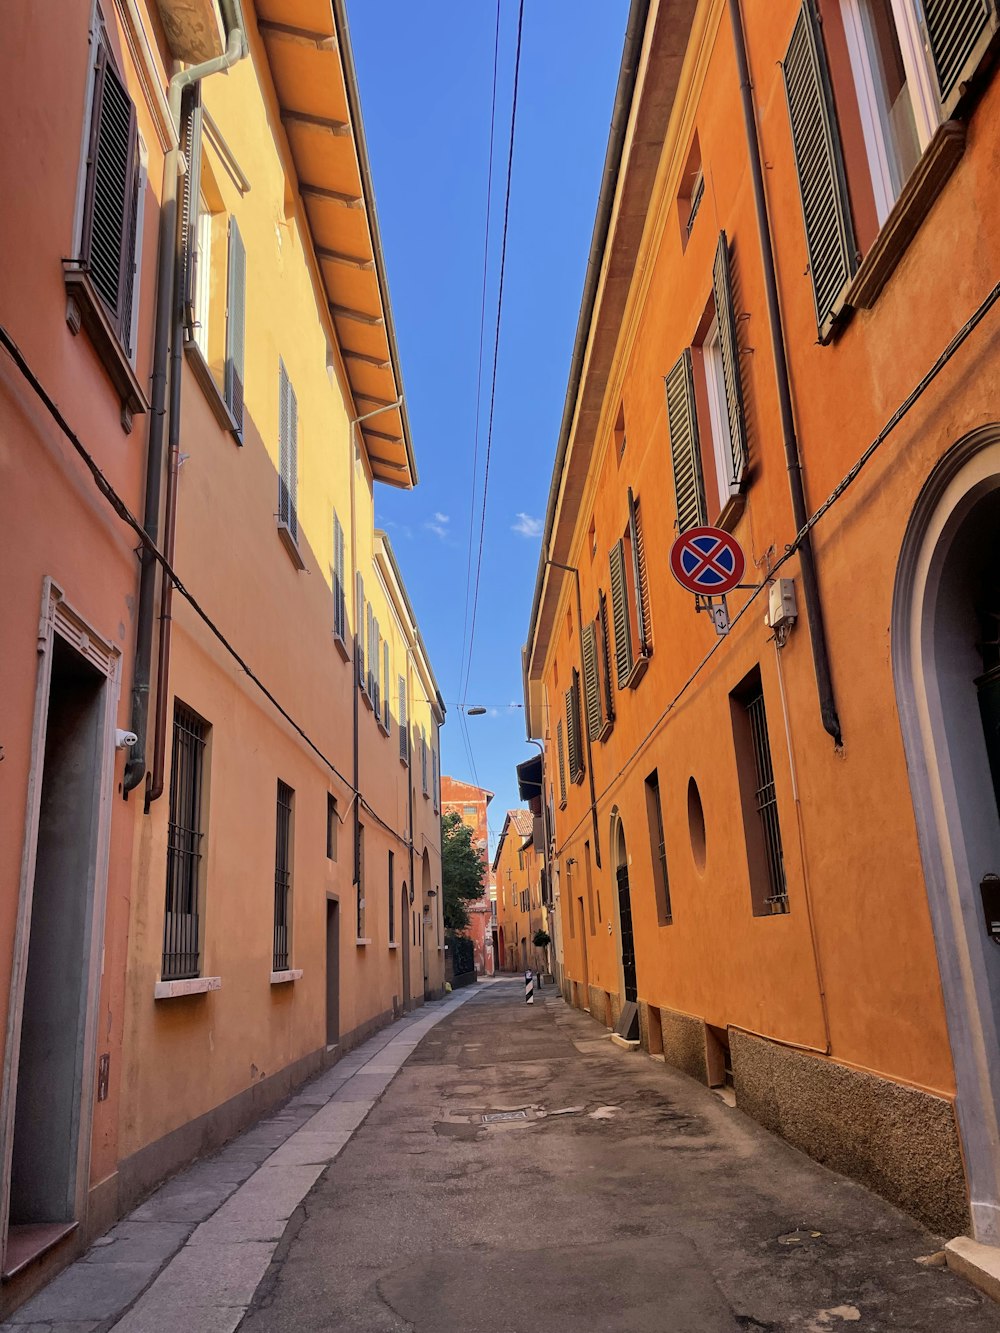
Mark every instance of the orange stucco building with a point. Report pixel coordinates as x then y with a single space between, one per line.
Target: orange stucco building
772 839
522 907
221 859
471 804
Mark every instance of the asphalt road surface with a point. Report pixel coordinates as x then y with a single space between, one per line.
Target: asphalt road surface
622 1197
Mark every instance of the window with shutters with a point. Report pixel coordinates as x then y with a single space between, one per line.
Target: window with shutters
561 752
339 586
605 682
624 659
630 602
359 630
371 661
423 761
375 658
592 694
404 734
392 898
619 434
288 466
658 849
685 448
213 284
758 798
102 280
332 826
574 732
718 397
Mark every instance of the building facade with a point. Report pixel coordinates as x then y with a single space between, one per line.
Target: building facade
780 839
471 804
522 908
213 675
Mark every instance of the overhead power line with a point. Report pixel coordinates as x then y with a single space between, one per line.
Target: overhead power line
496 350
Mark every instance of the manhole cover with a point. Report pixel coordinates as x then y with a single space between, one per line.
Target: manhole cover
504 1115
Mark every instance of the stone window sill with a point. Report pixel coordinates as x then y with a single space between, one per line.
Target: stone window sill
393 945
366 697
172 990
382 727
286 974
290 545
362 942
639 668
85 309
928 179
342 647
209 387
731 512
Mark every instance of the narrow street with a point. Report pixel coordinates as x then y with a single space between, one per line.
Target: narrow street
626 1198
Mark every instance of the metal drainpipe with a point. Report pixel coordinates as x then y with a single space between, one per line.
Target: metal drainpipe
793 461
166 304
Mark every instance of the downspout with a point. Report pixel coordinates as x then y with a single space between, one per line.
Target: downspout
167 304
793 461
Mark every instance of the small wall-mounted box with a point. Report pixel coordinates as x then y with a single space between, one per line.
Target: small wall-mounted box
781 607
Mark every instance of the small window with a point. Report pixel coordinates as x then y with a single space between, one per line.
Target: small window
404 734
332 826
758 797
691 192
392 898
661 882
282 879
361 913
185 838
619 434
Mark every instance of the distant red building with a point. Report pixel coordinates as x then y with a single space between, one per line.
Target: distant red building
470 803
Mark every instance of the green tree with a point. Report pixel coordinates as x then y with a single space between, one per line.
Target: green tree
463 872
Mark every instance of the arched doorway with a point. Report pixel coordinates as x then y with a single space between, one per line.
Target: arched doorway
404 943
620 863
946 663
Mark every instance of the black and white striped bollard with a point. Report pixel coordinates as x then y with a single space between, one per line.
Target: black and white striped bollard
529 988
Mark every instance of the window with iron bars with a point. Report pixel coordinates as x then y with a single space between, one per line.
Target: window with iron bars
282 878
185 836
758 796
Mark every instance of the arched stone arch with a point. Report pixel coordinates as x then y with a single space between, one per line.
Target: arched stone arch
951 542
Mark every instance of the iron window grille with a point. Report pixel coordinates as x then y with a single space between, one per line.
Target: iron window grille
282 877
181 928
766 802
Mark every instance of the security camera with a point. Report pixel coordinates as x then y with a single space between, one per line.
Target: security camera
124 740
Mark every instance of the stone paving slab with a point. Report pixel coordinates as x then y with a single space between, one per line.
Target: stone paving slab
189 1258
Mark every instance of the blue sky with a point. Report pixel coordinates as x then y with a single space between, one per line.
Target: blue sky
425 72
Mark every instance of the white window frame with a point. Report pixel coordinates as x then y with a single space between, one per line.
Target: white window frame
923 96
718 412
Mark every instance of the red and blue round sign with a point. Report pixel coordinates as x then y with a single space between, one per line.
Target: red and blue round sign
707 560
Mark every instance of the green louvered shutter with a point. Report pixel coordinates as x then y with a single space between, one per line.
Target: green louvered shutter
404 735
619 612
191 198
819 161
111 200
562 762
288 451
359 622
372 660
339 597
685 452
643 618
236 318
604 658
958 32
723 288
591 681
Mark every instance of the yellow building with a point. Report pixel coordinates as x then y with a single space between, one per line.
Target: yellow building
287 873
522 901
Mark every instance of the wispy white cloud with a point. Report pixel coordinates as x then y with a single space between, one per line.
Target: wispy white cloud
403 529
526 526
438 524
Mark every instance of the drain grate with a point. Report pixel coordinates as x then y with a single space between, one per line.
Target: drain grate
493 1116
